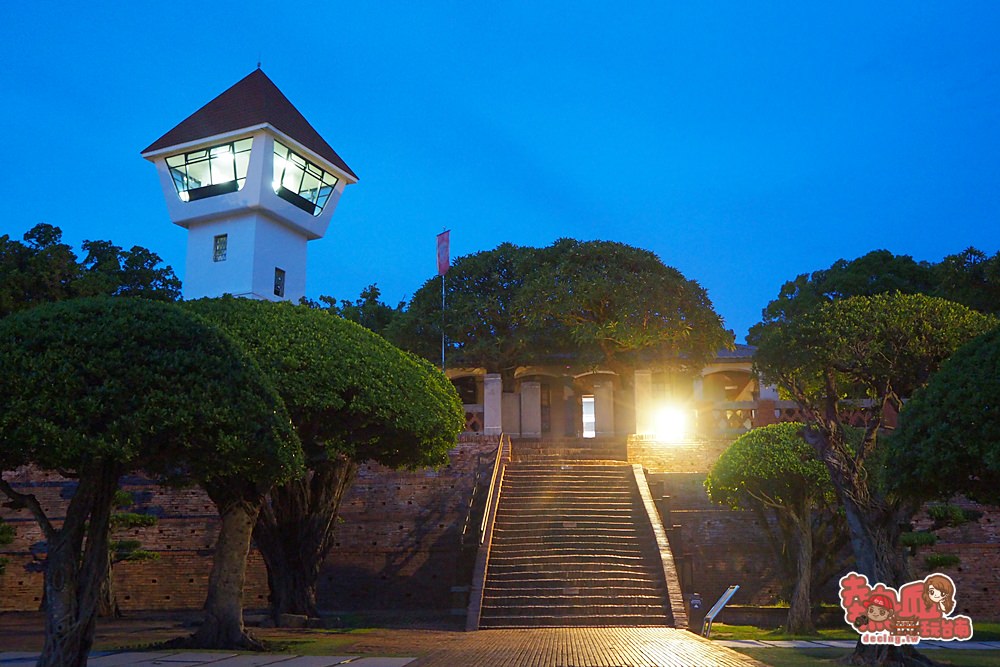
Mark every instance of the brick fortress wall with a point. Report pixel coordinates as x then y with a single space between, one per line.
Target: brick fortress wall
397 543
717 547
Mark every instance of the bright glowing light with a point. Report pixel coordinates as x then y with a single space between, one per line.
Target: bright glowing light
279 168
672 424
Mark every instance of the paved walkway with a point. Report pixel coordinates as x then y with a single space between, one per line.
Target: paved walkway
585 647
548 647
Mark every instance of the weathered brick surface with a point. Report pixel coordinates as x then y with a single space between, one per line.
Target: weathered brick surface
397 542
697 456
976 577
719 547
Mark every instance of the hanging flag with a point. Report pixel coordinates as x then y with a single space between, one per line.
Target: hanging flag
444 260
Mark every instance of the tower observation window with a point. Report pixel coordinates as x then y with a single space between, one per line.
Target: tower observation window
300 182
211 171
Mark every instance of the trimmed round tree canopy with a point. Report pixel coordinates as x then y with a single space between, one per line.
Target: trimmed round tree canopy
143 383
948 440
348 391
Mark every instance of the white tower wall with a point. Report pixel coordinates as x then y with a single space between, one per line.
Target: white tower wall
267 204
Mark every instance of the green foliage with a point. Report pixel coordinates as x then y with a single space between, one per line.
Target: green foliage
366 310
44 269
486 317
935 562
771 466
948 441
7 533
347 390
945 514
130 550
918 538
881 346
617 301
970 278
597 301
127 520
141 383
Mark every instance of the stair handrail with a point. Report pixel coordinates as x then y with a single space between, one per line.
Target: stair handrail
675 598
478 588
477 477
489 510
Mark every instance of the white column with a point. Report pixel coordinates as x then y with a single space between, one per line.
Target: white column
492 402
699 388
604 409
531 409
643 389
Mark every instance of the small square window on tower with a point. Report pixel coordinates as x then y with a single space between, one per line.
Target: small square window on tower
220 247
279 282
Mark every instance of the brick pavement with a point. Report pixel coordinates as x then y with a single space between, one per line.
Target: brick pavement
536 647
585 647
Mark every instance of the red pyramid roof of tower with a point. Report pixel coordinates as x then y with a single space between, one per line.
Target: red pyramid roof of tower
251 101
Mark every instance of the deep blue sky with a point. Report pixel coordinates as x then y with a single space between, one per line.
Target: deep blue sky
744 143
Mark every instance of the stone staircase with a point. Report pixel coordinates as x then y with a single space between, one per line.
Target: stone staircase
572 546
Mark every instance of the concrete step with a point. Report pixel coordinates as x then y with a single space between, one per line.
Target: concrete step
530 493
570 547
569 569
527 598
580 580
568 557
557 467
566 621
560 540
622 587
560 525
524 516
578 610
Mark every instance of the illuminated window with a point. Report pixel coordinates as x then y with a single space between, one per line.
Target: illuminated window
210 171
220 247
279 282
300 182
589 417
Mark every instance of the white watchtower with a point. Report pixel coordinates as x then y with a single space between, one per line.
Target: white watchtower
252 182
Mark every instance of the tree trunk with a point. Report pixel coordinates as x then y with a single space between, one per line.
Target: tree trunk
76 565
800 608
875 533
222 627
874 528
295 533
882 655
872 521
107 603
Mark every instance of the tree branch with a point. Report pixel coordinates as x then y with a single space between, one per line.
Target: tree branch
29 502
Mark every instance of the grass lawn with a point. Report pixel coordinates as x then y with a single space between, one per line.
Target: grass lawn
793 657
983 632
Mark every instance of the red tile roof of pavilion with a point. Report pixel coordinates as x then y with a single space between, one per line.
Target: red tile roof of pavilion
253 100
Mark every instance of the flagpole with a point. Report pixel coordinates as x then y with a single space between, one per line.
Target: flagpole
442 322
443 262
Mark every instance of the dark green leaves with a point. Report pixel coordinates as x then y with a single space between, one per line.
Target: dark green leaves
949 436
141 383
347 390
